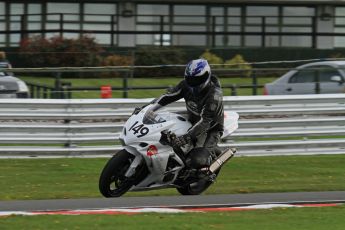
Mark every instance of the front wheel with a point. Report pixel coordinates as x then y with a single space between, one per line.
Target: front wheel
112 182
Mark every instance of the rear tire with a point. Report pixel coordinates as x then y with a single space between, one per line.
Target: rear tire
196 188
112 182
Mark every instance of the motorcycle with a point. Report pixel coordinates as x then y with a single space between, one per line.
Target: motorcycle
148 160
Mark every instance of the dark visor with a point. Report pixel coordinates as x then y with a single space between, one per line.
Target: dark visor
193 81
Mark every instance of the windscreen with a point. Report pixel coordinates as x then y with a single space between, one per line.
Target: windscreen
152 116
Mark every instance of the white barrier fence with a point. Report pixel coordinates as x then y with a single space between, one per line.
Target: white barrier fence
268 125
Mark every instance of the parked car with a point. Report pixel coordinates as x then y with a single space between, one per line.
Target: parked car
10 86
316 77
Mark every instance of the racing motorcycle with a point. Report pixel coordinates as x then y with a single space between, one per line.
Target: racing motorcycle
149 161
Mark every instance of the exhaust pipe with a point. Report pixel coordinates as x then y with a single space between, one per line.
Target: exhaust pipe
224 157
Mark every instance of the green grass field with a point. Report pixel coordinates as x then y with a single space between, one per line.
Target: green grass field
272 219
78 178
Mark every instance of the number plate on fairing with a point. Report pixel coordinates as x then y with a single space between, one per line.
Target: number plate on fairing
139 129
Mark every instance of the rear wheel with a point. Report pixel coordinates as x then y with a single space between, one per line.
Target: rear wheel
196 188
112 182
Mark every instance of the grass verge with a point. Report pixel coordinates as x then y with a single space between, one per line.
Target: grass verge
272 219
78 178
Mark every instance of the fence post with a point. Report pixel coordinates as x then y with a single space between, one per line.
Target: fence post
65 86
125 86
57 88
233 90
254 83
317 81
38 91
32 90
128 74
45 92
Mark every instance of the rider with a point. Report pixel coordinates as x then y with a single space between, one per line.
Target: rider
203 96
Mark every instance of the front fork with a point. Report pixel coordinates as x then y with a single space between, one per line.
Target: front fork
138 159
134 165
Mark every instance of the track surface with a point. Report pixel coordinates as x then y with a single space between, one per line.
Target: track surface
175 201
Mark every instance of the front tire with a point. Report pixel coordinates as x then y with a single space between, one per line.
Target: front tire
112 182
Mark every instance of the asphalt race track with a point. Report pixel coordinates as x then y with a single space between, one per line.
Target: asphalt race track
176 201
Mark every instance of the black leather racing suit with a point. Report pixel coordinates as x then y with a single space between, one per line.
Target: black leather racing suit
205 112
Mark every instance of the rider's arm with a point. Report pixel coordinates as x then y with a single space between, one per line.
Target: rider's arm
208 116
172 95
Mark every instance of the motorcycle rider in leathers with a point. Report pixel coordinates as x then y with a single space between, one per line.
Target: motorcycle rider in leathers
203 96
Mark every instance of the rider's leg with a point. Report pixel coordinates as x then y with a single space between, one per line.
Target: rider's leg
205 149
211 142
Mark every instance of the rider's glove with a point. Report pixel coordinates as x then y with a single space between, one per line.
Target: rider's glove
181 140
137 110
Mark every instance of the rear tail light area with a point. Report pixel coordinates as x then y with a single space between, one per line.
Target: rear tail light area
265 92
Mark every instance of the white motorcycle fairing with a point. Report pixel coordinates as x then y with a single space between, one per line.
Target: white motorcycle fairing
141 137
